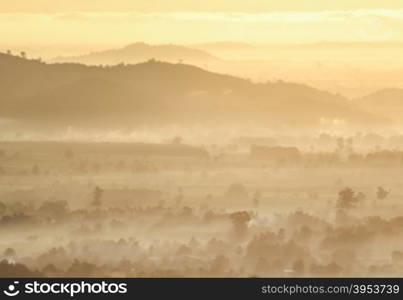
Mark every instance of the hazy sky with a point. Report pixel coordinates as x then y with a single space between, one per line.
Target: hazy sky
194 5
102 24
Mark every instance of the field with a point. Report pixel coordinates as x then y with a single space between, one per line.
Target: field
173 210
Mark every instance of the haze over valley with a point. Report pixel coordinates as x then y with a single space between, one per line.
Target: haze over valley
201 139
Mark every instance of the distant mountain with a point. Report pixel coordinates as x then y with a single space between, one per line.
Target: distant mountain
159 93
140 52
385 102
351 69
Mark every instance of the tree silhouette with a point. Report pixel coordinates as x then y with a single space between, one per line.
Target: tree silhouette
347 198
382 193
9 252
97 196
240 221
3 208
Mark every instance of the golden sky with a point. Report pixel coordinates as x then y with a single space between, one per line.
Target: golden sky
107 23
193 5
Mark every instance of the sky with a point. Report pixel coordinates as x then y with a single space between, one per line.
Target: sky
256 6
112 23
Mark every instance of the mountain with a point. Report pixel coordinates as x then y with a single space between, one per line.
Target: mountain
159 93
386 102
331 66
140 52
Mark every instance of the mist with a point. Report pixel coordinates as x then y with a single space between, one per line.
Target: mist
211 142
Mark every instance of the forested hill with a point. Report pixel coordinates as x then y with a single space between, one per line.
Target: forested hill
138 52
158 93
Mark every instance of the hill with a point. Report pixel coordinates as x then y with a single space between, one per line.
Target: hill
386 102
139 52
158 93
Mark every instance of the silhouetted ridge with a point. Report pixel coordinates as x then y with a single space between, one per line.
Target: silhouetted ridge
387 102
156 92
137 52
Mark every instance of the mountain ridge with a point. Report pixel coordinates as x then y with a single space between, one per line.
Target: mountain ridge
155 92
137 52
